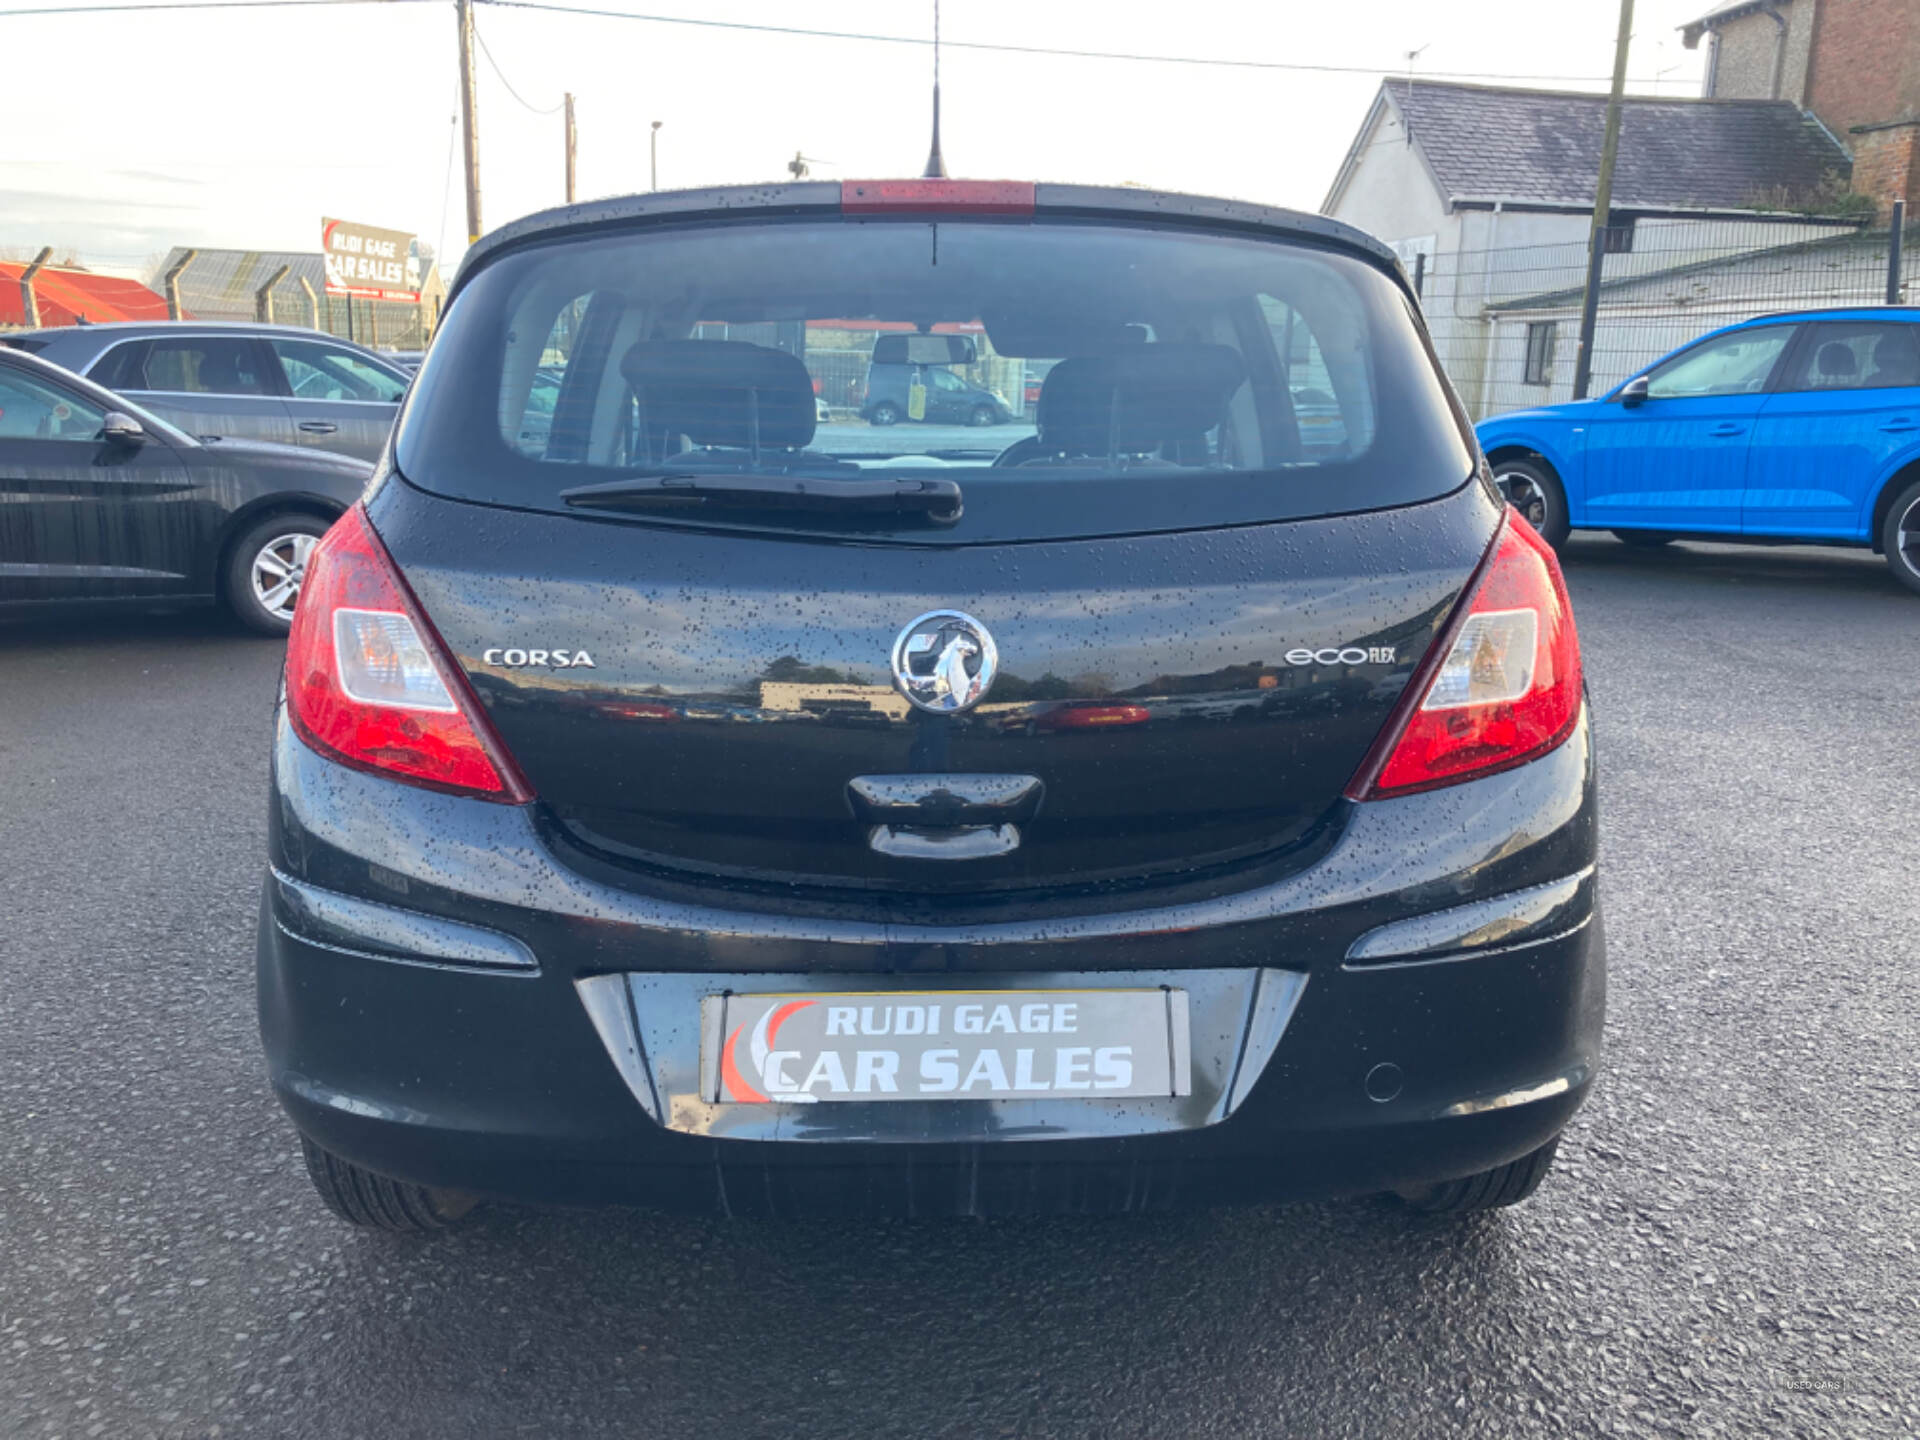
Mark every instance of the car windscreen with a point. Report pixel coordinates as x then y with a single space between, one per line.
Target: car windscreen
1072 378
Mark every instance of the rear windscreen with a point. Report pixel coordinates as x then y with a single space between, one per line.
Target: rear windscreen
1072 378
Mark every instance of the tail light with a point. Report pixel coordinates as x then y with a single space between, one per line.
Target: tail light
369 682
1500 686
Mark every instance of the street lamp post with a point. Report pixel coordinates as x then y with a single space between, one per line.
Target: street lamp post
653 157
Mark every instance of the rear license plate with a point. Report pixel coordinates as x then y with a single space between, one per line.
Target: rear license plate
945 1045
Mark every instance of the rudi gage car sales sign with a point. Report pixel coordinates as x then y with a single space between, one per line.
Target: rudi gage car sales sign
369 264
946 1045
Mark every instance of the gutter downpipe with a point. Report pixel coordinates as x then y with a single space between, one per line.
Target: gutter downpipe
1491 320
1772 12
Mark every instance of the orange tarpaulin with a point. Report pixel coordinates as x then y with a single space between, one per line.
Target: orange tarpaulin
67 296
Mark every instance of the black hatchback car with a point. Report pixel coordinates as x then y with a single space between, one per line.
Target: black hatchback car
674 804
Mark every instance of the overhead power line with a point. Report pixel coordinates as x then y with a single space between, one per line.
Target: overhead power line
138 5
986 46
495 66
1001 48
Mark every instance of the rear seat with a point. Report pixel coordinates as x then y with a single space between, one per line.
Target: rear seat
1157 399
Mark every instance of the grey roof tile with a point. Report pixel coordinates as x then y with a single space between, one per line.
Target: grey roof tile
1544 146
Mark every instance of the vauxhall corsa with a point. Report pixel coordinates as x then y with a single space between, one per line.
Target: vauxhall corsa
678 803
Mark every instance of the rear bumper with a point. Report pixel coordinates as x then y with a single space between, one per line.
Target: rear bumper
427 1052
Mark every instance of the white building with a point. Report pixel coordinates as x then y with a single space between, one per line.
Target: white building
1487 194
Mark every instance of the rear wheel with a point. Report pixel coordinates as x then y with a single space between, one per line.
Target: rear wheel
1493 1189
266 567
885 413
1645 539
982 415
374 1202
1900 537
1534 490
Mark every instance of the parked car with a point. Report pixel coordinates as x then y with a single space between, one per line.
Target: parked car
1799 428
897 388
251 382
544 920
102 502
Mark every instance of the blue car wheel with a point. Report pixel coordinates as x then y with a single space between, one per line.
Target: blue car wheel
1535 492
1900 537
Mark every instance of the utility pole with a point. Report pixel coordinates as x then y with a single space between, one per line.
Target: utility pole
573 141
1602 208
469 134
653 158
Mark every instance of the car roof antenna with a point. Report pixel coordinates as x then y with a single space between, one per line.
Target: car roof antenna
936 167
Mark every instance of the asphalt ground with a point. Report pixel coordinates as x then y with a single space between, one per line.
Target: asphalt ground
1726 1247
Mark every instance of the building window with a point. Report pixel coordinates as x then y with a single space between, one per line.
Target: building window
1540 338
1616 237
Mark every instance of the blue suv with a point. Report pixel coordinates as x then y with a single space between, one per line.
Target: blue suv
1800 428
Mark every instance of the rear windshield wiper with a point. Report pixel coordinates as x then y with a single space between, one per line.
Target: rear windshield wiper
935 500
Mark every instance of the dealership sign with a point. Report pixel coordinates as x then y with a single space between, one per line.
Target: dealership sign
946 1045
369 264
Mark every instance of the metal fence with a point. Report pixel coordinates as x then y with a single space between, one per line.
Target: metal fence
1506 321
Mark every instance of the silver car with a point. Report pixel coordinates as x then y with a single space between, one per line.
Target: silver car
252 382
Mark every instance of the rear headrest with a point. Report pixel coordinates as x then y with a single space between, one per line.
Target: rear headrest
1896 360
1136 399
1834 358
721 392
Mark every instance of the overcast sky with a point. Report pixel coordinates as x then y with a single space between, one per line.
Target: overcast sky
129 133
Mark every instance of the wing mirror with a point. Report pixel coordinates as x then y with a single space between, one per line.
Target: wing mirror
120 428
1633 392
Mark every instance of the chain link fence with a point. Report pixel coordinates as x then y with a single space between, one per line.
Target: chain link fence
1506 321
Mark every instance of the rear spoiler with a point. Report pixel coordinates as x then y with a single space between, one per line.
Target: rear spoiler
1007 199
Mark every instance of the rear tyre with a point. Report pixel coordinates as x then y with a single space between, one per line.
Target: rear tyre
374 1202
1645 539
1493 1189
1534 490
266 567
885 413
982 415
1900 538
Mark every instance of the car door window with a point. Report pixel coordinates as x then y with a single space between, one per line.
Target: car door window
121 368
30 409
1863 356
1733 364
325 372
946 380
206 365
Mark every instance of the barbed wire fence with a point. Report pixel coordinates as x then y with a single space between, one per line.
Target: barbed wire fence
1506 321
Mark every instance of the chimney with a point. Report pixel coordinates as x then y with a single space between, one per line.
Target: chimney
1886 164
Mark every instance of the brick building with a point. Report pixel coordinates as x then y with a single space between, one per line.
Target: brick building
1853 64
